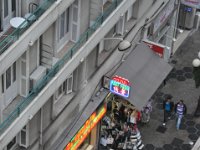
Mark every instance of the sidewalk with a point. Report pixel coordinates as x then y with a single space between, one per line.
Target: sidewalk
179 85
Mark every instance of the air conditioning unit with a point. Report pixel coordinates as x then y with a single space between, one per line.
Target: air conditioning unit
37 75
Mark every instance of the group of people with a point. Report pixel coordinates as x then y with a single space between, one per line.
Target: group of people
121 131
179 110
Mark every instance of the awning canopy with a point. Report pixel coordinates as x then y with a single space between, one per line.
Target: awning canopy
145 70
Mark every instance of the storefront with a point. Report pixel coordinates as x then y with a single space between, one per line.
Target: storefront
86 137
127 92
163 29
131 88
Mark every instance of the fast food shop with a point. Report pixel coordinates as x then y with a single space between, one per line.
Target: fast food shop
133 84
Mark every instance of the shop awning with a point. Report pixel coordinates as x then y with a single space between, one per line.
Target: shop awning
146 71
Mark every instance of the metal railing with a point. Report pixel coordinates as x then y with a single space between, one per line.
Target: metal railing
11 38
52 72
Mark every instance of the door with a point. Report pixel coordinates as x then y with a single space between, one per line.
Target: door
8 11
9 84
75 20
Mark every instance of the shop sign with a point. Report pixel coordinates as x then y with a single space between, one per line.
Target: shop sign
162 17
157 48
85 130
120 86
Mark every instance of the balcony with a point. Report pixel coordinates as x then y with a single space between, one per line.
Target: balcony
87 41
10 36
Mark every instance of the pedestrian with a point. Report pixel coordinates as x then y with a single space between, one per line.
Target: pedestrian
180 110
168 106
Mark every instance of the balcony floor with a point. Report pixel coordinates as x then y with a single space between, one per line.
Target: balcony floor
11 106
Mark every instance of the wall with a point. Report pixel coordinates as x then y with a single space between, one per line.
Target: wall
140 7
84 15
91 62
34 128
47 114
33 58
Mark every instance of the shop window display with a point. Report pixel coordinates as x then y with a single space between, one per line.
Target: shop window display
119 126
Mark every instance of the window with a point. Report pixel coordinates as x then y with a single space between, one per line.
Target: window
11 144
64 24
8 78
2 83
69 84
5 8
13 5
14 72
24 137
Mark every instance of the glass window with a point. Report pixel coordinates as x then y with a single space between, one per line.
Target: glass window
14 72
67 21
13 5
62 24
23 68
75 14
8 78
5 8
2 83
11 144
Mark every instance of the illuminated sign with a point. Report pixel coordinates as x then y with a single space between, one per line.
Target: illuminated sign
84 131
120 86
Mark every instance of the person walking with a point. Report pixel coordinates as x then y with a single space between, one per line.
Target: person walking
180 110
168 106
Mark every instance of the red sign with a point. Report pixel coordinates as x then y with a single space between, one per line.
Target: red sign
121 80
85 130
157 48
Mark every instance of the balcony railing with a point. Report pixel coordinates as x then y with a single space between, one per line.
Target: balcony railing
52 72
11 38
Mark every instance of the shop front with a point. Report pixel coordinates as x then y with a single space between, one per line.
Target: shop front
131 88
163 28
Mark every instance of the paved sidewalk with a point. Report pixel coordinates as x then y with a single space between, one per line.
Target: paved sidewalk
180 85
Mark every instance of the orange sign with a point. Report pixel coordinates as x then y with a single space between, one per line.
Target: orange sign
83 132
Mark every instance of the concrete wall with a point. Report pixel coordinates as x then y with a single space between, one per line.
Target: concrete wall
47 114
33 58
34 128
84 15
91 62
140 7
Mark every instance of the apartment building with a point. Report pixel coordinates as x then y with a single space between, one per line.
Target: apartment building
54 54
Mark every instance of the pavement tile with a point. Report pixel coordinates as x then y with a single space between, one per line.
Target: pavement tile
179 72
191 130
180 78
177 142
188 75
186 147
161 129
149 147
183 126
189 116
190 123
187 69
167 147
197 126
193 137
